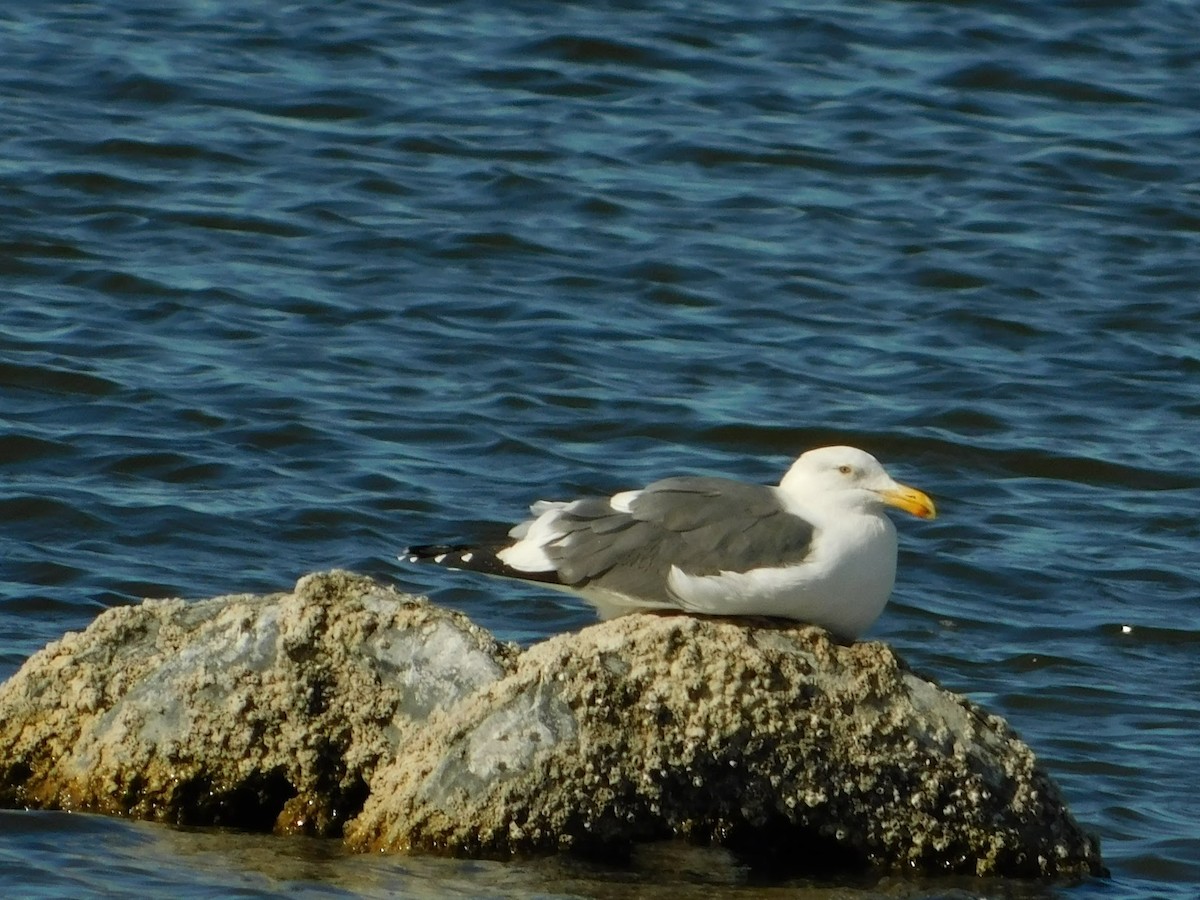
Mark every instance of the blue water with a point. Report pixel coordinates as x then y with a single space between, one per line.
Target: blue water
287 287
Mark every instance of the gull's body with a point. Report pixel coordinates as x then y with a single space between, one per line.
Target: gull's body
818 547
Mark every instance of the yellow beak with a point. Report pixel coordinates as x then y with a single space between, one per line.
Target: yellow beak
910 500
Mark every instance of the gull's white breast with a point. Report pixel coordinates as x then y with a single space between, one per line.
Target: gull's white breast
842 585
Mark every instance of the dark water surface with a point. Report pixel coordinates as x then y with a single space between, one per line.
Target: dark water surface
288 286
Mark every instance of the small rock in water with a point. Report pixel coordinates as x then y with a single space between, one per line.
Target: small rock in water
259 712
771 740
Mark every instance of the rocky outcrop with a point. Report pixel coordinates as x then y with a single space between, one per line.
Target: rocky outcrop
262 712
772 740
346 704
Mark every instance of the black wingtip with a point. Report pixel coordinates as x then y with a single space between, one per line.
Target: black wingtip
472 559
434 553
456 556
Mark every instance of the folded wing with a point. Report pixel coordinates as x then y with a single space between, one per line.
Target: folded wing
702 526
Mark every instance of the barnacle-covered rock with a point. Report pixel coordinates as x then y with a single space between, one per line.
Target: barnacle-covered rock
772 740
260 712
345 708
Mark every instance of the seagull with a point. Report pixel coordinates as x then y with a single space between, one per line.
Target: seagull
818 548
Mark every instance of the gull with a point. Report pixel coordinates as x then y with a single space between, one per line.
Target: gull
817 548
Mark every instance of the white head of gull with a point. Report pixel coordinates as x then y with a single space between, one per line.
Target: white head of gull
818 548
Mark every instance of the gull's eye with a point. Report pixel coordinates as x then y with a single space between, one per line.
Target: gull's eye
846 470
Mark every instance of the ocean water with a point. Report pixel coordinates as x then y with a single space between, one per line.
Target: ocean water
286 287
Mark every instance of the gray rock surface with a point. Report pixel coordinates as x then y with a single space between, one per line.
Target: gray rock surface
772 740
345 707
266 712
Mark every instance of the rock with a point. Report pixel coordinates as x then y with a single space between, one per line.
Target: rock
265 712
771 740
346 707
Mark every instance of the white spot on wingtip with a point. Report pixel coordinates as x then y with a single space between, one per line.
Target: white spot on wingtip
412 557
440 558
467 557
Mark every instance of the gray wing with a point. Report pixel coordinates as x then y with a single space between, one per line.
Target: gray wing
702 525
